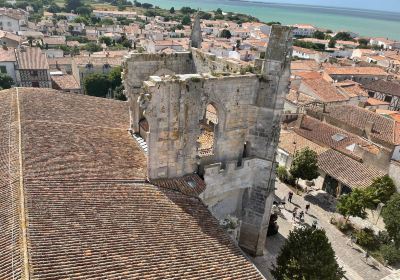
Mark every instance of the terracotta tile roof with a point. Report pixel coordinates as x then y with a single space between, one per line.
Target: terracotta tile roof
132 231
321 88
346 170
376 102
291 142
56 40
355 71
32 58
9 35
358 118
190 184
64 82
330 136
7 55
10 232
352 89
382 86
298 98
304 65
77 137
91 215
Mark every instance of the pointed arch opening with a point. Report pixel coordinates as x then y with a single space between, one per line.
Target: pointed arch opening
208 129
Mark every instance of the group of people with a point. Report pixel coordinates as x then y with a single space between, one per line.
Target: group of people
297 213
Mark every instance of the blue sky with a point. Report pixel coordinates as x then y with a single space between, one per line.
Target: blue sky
385 5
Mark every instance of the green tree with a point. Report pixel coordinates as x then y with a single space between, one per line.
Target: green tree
187 10
343 36
106 40
307 255
218 11
305 165
391 217
225 33
97 84
332 43
319 35
5 81
381 190
352 204
54 8
172 10
115 77
72 5
186 20
119 93
92 47
84 10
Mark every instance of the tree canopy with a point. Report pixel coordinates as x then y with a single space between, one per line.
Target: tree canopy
72 5
381 190
97 84
307 254
186 20
352 204
391 217
225 33
305 165
5 81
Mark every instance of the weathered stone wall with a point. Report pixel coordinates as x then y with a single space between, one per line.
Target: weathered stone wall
249 109
178 104
138 67
207 63
229 184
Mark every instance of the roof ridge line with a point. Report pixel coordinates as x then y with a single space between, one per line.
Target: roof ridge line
24 243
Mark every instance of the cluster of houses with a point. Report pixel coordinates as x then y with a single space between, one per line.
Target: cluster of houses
344 102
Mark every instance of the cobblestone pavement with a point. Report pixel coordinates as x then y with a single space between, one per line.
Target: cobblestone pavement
351 259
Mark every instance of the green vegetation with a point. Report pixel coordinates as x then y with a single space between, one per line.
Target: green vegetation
5 81
352 204
305 165
332 43
97 84
309 45
343 36
285 176
319 35
225 33
307 254
100 85
380 191
391 217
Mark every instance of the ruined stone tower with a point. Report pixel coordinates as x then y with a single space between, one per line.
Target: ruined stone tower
219 119
196 38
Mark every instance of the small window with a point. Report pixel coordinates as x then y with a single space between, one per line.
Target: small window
388 98
3 69
9 23
371 94
35 84
34 73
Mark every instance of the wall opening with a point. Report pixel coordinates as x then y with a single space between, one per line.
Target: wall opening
208 128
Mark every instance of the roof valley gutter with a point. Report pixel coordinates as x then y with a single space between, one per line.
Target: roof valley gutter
24 244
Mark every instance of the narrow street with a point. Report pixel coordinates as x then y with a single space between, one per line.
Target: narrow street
351 259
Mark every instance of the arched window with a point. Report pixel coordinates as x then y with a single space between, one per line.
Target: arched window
208 127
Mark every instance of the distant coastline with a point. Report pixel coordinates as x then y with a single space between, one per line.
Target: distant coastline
364 22
385 15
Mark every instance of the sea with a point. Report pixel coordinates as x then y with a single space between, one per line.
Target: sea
363 22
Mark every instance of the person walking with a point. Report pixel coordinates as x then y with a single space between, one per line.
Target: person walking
294 213
290 196
307 207
366 256
283 202
351 240
301 215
